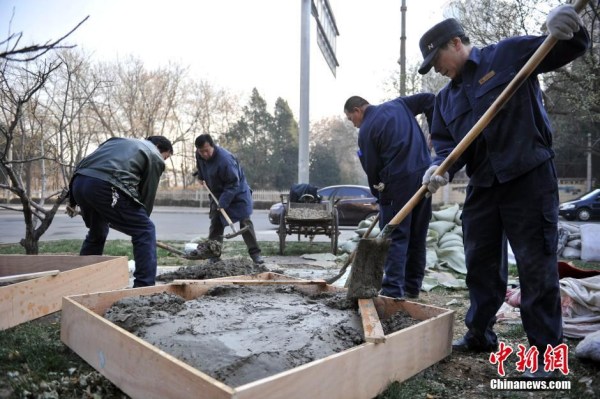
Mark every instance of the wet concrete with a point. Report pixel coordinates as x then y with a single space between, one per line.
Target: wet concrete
239 334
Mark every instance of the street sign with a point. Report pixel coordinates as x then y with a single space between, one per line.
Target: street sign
327 32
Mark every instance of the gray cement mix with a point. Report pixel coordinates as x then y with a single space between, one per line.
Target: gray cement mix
239 334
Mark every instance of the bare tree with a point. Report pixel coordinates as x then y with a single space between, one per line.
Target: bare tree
19 88
341 140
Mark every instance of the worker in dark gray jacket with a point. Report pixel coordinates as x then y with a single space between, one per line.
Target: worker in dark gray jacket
115 186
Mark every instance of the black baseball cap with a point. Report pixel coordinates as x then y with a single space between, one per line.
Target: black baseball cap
436 37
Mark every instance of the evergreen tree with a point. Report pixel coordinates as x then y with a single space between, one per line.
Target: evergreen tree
324 169
250 140
284 158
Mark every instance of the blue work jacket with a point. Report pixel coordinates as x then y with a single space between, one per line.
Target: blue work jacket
519 137
225 177
391 143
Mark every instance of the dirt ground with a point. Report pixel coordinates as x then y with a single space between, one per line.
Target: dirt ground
458 376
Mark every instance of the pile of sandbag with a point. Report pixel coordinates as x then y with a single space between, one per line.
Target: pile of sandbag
350 245
445 247
579 242
445 262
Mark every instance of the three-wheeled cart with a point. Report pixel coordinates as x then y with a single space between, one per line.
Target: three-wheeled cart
307 218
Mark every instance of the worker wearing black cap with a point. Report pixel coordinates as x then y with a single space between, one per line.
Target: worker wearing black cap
512 192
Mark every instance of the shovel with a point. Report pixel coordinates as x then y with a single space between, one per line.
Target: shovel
361 279
229 222
350 258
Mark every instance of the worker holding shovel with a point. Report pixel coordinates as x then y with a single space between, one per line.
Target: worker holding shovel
393 152
512 192
230 195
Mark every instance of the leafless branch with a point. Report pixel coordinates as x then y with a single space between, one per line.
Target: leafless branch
32 52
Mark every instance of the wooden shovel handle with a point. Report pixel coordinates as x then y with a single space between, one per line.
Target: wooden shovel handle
481 124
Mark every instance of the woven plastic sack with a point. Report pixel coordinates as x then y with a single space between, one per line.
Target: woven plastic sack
590 242
441 226
448 214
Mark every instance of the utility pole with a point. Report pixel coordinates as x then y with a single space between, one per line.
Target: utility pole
303 165
402 60
589 163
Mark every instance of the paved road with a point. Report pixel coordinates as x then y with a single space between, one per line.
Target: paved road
172 223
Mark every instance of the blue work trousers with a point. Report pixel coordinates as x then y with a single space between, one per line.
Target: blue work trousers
95 199
216 230
404 267
524 211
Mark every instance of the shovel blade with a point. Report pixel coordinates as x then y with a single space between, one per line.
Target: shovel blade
367 269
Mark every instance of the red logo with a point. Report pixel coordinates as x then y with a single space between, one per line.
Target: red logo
556 358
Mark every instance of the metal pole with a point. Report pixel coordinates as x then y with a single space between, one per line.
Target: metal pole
589 163
402 60
304 92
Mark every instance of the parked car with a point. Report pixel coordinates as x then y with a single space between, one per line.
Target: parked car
354 204
583 208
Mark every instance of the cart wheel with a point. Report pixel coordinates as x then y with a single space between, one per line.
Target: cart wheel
334 231
282 233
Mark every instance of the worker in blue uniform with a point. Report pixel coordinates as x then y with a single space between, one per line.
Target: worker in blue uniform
512 192
221 171
394 154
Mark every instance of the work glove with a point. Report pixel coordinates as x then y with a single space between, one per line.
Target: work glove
379 186
72 211
563 21
434 182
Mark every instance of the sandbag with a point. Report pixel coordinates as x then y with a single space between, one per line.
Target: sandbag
574 244
441 226
454 258
457 230
447 214
432 238
590 242
589 347
451 243
431 258
571 253
361 232
450 236
458 218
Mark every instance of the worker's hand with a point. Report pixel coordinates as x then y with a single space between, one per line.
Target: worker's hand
434 182
202 184
379 187
72 211
563 21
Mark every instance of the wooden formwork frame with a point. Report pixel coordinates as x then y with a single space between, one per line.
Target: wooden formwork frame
36 297
143 371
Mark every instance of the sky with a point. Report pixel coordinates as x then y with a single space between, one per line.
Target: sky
238 45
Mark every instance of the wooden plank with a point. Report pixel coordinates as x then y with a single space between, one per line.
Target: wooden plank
27 276
247 282
17 264
28 300
372 327
139 369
